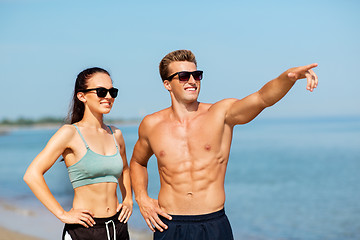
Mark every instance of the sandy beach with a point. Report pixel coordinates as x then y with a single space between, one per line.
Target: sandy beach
6 234
21 223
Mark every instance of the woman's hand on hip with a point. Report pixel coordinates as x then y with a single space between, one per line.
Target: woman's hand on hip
125 210
78 216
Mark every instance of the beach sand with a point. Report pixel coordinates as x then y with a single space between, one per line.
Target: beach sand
6 234
19 223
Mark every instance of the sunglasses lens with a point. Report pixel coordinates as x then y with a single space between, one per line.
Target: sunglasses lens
101 92
197 75
184 76
113 92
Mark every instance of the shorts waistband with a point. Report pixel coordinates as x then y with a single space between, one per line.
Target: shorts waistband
102 221
198 218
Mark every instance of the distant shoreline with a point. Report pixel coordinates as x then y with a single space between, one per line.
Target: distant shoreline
7 128
24 121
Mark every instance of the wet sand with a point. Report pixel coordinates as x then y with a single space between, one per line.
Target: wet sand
20 223
6 234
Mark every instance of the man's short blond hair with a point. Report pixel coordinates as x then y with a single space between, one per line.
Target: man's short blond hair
175 56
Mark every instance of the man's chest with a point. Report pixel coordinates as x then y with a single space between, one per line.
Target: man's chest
186 141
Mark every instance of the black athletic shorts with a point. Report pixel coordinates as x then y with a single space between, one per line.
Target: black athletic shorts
212 226
103 229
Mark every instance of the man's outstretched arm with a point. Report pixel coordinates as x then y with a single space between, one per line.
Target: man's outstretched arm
244 110
149 207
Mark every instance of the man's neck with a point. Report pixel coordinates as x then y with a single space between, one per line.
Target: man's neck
184 112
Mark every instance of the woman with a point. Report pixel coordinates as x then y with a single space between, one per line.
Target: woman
95 157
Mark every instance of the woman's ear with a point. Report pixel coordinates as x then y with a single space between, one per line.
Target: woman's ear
167 85
81 97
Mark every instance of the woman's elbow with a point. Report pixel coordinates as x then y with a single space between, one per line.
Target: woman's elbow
29 176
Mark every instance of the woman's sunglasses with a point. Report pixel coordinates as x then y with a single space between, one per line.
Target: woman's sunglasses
184 76
101 92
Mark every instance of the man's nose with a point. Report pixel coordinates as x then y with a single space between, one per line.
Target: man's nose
108 95
191 79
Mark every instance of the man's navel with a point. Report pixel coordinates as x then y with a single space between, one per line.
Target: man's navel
207 147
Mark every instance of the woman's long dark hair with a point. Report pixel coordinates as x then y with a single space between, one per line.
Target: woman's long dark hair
77 108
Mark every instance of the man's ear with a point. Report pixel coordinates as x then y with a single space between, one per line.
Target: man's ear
167 85
81 97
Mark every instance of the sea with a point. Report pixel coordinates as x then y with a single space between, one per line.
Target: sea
287 179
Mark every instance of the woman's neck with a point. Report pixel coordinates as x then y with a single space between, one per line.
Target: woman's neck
92 120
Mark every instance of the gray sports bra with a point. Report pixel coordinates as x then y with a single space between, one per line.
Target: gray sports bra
95 168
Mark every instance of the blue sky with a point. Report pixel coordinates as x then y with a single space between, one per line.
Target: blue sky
240 45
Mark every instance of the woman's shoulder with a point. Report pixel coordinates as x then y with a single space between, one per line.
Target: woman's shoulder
117 133
63 136
66 131
67 128
115 130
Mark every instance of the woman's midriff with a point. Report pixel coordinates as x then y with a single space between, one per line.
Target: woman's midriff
100 199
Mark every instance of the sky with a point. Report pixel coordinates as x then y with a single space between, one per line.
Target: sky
240 45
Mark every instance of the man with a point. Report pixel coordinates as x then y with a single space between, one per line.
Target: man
191 141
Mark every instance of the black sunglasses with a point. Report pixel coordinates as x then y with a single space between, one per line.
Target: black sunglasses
184 76
102 92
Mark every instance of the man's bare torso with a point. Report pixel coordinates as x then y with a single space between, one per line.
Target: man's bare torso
192 158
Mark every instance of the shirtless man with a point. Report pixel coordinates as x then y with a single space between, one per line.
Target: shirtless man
191 141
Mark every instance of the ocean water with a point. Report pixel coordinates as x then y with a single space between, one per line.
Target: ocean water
287 179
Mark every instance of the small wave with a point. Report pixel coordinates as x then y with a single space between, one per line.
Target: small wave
12 208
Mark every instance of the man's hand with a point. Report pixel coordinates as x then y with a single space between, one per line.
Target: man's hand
305 72
150 211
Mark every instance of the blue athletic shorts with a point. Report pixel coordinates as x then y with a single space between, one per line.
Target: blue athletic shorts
212 226
105 228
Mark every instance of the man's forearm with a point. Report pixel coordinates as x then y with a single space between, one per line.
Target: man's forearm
139 180
276 89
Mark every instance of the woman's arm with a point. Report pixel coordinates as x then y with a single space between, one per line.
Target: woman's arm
124 182
34 177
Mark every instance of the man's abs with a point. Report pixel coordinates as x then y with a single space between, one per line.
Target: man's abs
187 199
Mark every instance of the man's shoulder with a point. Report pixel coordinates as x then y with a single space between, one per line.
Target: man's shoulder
227 101
223 104
156 117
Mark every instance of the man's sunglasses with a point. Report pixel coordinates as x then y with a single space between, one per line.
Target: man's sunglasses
184 76
101 92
